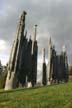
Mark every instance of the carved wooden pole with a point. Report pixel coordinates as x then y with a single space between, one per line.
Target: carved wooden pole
13 65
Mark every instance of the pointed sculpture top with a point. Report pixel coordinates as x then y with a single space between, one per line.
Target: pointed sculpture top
22 16
36 25
64 48
35 32
21 25
50 41
24 13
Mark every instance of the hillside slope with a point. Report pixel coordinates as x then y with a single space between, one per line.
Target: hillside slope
56 96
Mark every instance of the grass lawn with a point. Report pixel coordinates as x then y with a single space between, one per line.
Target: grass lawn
55 96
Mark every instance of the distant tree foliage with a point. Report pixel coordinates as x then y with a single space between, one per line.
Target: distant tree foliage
70 70
3 79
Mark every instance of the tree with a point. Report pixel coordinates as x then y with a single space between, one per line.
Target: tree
3 78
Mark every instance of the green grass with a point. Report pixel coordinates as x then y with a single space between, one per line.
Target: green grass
55 96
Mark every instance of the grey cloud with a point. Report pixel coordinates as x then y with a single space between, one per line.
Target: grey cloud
54 18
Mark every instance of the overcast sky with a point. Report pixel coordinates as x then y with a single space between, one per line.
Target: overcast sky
54 18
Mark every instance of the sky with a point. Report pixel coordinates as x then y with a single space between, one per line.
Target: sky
53 17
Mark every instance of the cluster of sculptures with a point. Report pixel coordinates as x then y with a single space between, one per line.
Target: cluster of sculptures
22 66
56 70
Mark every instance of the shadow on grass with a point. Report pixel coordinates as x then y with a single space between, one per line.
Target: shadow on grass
23 89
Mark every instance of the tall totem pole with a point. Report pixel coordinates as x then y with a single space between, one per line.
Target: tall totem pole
13 65
34 57
49 67
64 64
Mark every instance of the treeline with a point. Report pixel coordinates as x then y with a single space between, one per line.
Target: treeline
3 78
